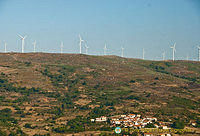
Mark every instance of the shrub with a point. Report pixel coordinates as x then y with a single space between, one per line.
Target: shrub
150 125
27 125
178 124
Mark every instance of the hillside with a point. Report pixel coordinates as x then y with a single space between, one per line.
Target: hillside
43 93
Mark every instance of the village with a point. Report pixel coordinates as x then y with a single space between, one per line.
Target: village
138 122
132 120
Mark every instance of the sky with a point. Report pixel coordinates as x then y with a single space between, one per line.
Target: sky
154 25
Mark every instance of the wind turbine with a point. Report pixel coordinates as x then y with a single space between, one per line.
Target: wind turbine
143 53
23 38
34 46
61 47
86 48
163 55
5 47
122 53
105 49
80 43
173 51
198 47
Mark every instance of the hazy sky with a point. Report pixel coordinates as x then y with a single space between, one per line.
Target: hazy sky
134 24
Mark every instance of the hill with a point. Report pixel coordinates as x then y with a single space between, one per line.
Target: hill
45 93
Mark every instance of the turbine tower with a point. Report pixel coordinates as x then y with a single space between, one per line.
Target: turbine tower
105 49
143 53
5 47
86 48
22 38
80 43
61 47
122 53
198 47
163 55
173 51
187 57
34 46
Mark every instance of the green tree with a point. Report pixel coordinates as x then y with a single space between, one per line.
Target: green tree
178 124
198 122
2 133
150 125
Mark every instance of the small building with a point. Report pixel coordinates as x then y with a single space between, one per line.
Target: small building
165 127
164 135
155 119
161 134
156 125
194 124
101 119
147 134
123 116
132 115
138 115
117 122
136 123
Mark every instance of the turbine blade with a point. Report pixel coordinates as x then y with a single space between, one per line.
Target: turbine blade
174 45
20 36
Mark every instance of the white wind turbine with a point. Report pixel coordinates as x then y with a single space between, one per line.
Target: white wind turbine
34 46
61 47
143 53
163 55
22 38
122 53
86 48
173 51
105 49
198 47
80 43
5 47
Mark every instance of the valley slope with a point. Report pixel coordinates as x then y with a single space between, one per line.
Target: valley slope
40 92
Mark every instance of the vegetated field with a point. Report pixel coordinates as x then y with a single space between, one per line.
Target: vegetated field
45 93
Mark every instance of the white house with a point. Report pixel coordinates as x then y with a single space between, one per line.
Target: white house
132 115
117 122
165 127
101 119
138 115
123 116
92 120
